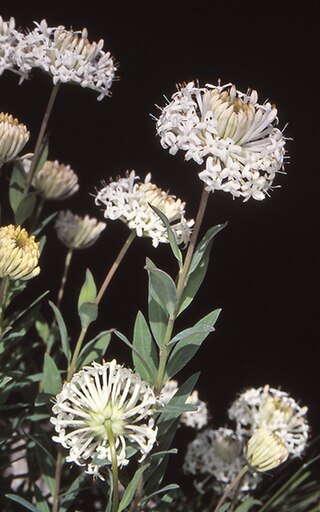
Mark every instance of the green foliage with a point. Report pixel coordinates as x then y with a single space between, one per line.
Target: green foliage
171 236
95 349
198 267
131 488
87 307
157 307
52 383
144 346
21 501
63 332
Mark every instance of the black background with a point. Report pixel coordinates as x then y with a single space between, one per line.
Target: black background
264 272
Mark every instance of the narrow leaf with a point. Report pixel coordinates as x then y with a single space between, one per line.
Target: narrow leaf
24 503
127 342
88 292
25 208
144 345
52 383
162 288
94 349
131 489
63 332
17 184
171 236
88 313
198 267
186 348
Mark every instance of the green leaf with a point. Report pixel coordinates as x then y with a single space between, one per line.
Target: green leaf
158 315
162 287
201 328
45 459
88 292
24 503
88 312
63 332
144 345
167 488
171 236
140 356
25 208
247 505
186 348
198 267
70 495
17 185
43 224
42 504
52 382
43 155
94 349
131 489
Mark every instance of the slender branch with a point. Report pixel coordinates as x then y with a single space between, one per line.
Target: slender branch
37 214
64 277
57 480
115 265
73 364
114 466
42 132
235 482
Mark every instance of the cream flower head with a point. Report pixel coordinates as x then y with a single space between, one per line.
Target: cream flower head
265 451
230 131
19 253
77 232
67 56
194 419
13 137
128 199
218 453
101 396
55 181
273 409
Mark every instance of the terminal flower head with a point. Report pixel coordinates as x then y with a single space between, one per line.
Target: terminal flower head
98 398
265 450
228 132
77 232
13 137
19 253
55 181
129 200
66 55
273 409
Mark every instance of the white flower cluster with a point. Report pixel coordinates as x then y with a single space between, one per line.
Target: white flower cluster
273 409
230 131
195 419
98 398
218 454
128 200
66 55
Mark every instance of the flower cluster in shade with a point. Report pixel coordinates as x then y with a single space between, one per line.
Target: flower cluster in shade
66 55
129 200
273 409
13 137
229 133
77 232
215 457
19 253
270 427
98 398
196 419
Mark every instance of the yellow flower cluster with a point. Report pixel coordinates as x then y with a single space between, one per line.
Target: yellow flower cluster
19 253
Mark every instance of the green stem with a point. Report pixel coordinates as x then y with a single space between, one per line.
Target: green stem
64 277
235 482
182 280
37 215
73 364
57 480
4 284
115 265
114 466
42 132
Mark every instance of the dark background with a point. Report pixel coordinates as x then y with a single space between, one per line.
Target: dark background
264 272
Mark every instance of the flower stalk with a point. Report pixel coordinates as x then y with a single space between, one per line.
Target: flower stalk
231 486
114 467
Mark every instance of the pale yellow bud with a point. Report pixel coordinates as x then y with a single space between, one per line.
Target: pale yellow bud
13 137
19 253
56 181
77 232
265 450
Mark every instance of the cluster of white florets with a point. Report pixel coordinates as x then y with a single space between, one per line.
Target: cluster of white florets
66 55
229 132
129 200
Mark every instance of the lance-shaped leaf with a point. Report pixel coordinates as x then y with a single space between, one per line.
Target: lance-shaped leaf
88 292
140 356
144 344
88 313
21 501
63 332
94 349
198 267
52 383
25 208
186 348
131 489
17 185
